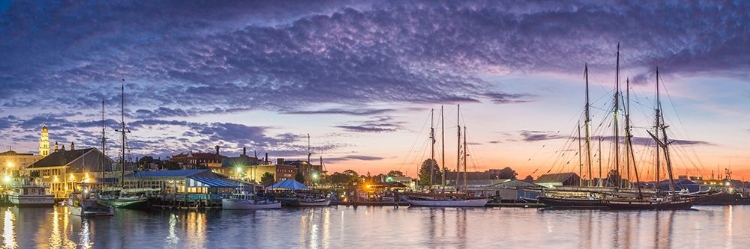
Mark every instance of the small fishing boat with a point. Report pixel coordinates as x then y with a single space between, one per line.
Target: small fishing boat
309 201
241 200
85 204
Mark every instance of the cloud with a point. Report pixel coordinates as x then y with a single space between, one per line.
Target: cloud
533 136
648 141
352 157
378 124
508 98
354 112
283 55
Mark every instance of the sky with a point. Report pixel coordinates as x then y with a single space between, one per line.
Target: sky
361 78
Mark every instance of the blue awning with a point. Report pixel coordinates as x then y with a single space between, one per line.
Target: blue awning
288 185
210 182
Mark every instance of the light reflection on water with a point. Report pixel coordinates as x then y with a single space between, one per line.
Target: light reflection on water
9 234
387 227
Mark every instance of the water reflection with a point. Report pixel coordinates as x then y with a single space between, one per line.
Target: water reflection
728 224
315 224
378 227
85 234
9 234
172 238
59 238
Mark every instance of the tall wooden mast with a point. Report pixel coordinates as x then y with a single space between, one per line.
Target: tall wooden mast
458 151
122 113
432 147
587 123
656 129
442 143
104 142
465 174
580 155
618 181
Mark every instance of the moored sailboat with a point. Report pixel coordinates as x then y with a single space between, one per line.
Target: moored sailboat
672 201
442 199
124 197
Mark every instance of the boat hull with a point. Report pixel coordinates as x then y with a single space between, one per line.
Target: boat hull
723 199
91 209
124 203
449 203
33 200
237 204
314 203
572 203
649 205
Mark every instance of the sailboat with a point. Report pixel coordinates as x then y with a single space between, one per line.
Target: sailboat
442 199
126 197
673 201
593 196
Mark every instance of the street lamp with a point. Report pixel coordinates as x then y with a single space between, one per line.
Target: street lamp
314 178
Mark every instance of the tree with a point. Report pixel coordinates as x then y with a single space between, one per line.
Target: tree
424 172
613 178
395 173
267 179
299 177
507 173
352 175
170 165
528 178
339 178
146 161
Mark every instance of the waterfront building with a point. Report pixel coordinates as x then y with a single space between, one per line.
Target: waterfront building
197 160
242 167
14 163
189 181
64 169
558 180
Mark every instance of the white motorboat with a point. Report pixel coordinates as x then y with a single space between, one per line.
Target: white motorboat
32 195
314 202
248 204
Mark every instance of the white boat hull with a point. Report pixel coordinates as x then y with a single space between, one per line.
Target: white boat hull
33 200
314 203
449 203
238 204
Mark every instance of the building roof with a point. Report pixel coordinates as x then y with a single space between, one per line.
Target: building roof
288 184
169 173
515 184
14 153
60 158
211 182
558 177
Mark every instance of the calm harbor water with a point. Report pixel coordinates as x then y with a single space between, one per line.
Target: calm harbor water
385 227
